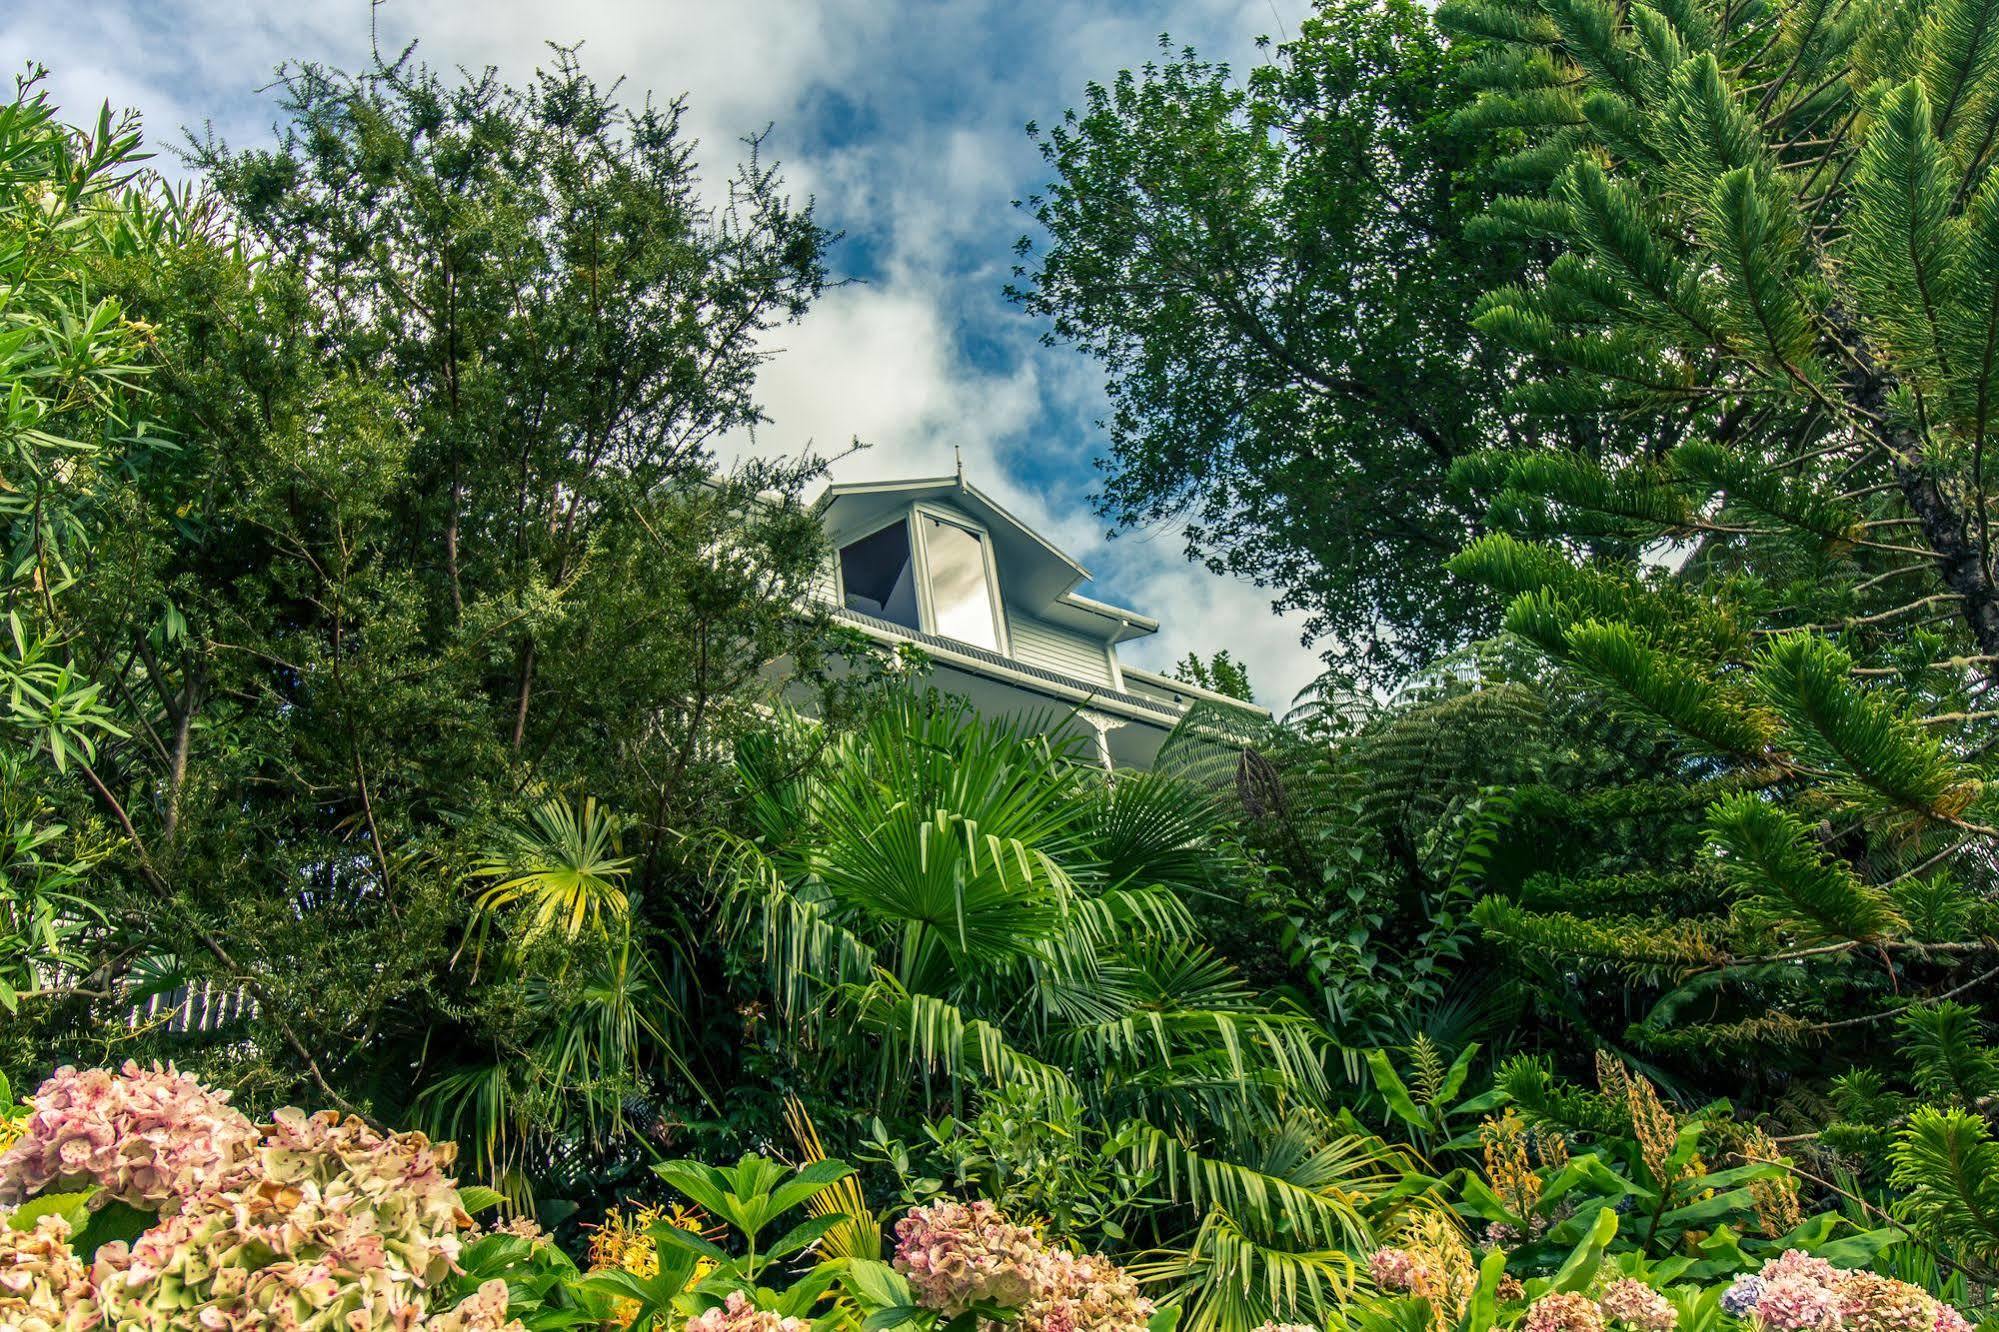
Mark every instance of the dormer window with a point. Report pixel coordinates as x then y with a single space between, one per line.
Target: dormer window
927 571
961 595
879 577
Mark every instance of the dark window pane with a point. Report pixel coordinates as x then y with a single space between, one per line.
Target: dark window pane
877 576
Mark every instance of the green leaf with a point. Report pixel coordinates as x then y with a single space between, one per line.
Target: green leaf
813 1179
1395 1092
115 1222
803 1234
1484 1308
667 1235
1860 1251
1579 1269
71 1207
877 1283
476 1198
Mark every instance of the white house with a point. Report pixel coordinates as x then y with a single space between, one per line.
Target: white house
993 604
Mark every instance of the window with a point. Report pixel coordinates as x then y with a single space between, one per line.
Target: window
878 577
961 598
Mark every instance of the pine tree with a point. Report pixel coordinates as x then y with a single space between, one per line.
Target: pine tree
1767 325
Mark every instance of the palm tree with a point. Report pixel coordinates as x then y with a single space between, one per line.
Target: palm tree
943 900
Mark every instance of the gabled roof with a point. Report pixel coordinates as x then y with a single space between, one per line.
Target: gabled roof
1035 574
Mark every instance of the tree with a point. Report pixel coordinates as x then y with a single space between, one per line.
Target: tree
431 543
72 367
1770 278
1272 272
1221 673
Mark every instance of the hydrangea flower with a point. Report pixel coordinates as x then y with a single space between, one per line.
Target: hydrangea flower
484 1311
737 1314
1798 1304
1948 1319
334 1226
1636 1305
1869 1302
1740 1298
1087 1293
1393 1269
43 1285
1796 1263
1563 1311
148 1137
959 1254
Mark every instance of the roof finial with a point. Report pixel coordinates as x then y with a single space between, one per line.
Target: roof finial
958 457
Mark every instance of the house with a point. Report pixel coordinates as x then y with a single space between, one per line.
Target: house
938 564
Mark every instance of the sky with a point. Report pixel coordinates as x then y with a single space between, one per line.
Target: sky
905 122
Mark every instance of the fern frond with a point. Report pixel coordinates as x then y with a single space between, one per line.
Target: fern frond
1900 248
1670 690
1948 1054
1749 483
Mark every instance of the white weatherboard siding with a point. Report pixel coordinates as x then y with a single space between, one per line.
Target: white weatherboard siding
1054 648
825 587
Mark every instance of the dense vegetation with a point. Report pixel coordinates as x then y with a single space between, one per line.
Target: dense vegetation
393 692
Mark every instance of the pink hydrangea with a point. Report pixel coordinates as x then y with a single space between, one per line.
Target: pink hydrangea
1393 1269
332 1225
958 1254
43 1285
152 1138
1796 1263
1085 1293
1869 1302
1563 1311
1798 1304
1948 1319
1636 1305
737 1314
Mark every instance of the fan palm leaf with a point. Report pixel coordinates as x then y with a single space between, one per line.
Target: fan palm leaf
561 865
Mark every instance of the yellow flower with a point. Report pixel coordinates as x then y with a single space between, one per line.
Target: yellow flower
623 1242
1655 1127
1775 1200
1445 1273
1507 1168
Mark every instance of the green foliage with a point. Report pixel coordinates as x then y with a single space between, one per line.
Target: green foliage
362 536
1221 673
561 866
945 907
73 366
1270 269
1029 1155
1949 1165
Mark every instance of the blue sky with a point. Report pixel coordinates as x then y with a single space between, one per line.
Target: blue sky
905 121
